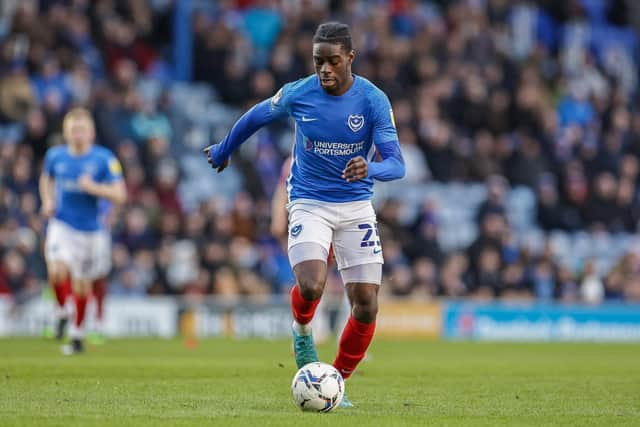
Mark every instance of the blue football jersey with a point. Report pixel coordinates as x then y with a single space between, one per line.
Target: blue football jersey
330 131
73 206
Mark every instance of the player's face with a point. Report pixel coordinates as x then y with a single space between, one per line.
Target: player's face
333 67
79 132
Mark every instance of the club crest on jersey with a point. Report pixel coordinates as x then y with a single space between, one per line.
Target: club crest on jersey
295 231
355 122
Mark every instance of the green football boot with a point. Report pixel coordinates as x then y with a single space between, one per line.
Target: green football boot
304 349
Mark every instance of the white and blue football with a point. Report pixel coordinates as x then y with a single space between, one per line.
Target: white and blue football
317 387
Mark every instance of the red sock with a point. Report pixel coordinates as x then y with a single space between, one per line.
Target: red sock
81 309
302 309
62 290
354 342
99 292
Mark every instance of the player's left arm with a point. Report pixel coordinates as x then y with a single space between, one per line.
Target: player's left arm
109 184
392 165
387 145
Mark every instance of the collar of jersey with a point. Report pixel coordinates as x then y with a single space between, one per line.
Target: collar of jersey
79 156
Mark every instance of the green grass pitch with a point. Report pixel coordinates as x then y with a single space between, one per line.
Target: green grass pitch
246 383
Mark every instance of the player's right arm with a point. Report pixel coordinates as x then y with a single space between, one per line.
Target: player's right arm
47 195
258 116
114 191
109 183
47 186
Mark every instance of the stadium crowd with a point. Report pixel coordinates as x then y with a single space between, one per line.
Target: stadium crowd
535 94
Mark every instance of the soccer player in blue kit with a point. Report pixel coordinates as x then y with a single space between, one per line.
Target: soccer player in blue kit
341 122
75 177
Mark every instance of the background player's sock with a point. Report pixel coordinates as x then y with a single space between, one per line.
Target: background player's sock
354 342
62 289
303 311
81 309
99 292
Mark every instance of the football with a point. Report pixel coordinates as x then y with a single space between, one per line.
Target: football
317 387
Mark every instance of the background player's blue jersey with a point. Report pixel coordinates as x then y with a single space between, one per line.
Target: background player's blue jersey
73 206
330 131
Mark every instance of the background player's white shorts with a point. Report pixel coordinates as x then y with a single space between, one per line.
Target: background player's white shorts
102 255
75 248
351 227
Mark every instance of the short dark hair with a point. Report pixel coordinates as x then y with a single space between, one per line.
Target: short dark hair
334 32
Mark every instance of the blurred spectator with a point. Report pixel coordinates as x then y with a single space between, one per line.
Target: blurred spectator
552 215
137 233
16 96
15 278
600 211
453 279
495 201
544 286
424 243
486 278
591 288
515 284
492 228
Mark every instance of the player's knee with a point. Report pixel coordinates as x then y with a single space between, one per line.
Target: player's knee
311 276
81 287
54 277
365 312
80 292
364 301
310 288
57 272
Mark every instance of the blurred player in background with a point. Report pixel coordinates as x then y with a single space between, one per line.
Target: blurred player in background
75 177
341 121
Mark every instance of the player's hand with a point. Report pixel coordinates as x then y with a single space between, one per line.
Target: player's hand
356 169
211 153
86 184
48 208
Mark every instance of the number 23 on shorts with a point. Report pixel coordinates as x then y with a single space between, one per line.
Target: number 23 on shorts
370 238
